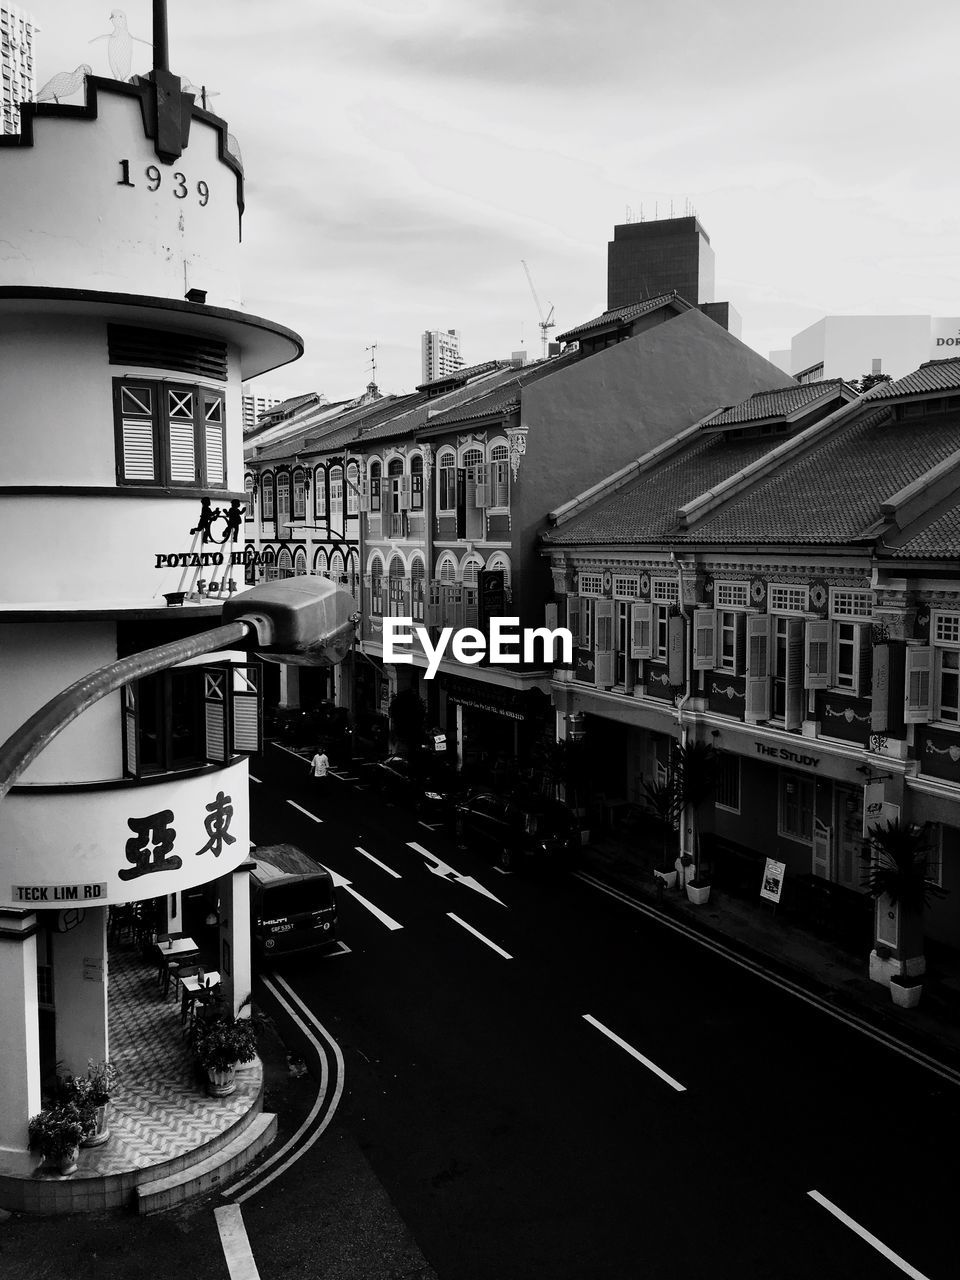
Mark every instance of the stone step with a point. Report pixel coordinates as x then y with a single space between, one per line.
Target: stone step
165 1193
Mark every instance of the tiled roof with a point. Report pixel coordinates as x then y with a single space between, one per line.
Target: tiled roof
463 375
939 539
621 315
504 400
832 492
647 510
935 375
424 412
775 404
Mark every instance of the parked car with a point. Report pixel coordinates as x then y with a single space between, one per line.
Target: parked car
512 831
429 787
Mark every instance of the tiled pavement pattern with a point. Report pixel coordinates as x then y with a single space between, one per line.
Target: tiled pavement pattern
160 1110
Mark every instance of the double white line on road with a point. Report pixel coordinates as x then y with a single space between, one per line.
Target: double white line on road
635 1053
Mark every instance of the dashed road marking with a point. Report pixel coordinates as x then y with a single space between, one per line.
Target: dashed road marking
251 777
635 1053
305 811
864 1234
382 865
477 934
235 1243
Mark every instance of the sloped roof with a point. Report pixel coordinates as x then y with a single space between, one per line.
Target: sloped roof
781 403
622 315
934 375
463 375
425 411
939 539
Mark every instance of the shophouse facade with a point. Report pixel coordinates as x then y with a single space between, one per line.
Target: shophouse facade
123 484
782 582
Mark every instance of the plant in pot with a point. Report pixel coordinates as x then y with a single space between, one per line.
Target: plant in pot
57 1133
896 878
695 767
661 799
91 1094
221 1046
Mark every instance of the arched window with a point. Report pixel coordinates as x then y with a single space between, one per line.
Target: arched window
269 564
320 492
500 562
416 588
376 586
416 482
284 564
448 569
473 457
250 489
283 501
320 562
447 481
336 567
351 572
266 490
398 584
395 505
300 563
499 495
473 473
353 489
471 566
375 485
299 494
336 499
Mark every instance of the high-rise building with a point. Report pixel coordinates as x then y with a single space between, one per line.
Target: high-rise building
647 259
17 29
440 349
254 406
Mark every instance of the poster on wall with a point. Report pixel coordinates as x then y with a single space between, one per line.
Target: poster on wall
772 884
876 809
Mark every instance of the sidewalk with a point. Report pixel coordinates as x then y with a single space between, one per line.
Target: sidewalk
825 969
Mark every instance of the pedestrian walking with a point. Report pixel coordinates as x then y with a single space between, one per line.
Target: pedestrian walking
319 768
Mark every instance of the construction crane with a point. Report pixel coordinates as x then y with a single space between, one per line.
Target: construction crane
546 322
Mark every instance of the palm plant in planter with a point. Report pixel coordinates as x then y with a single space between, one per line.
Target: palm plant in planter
695 778
896 878
661 798
91 1094
57 1133
221 1047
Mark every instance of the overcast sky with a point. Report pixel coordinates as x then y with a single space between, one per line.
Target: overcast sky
403 156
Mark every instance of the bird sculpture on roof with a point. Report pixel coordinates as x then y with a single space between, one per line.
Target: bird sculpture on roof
64 84
119 45
199 91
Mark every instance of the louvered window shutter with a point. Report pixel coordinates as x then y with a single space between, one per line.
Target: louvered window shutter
740 645
794 708
603 655
484 485
471 486
500 485
136 431
917 700
676 656
181 435
215 684
214 440
551 616
456 592
704 639
880 700
433 604
471 608
816 667
131 728
246 709
758 668
403 494
865 665
641 630
573 617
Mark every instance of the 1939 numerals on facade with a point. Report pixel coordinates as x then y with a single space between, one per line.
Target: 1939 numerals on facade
154 179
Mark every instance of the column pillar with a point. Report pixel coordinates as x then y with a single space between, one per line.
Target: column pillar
80 987
234 940
459 714
20 1041
289 687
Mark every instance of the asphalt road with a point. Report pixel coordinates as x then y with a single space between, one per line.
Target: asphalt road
552 1085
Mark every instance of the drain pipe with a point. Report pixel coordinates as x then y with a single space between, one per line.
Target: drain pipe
688 679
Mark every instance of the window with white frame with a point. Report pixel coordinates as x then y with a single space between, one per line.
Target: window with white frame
376 586
283 499
353 489
336 567
500 563
788 599
945 639
416 482
731 595
626 588
336 499
375 485
300 563
447 481
266 495
471 567
852 640
249 487
320 492
448 569
416 588
269 564
850 603
169 433
299 494
728 782
661 632
665 590
499 476
730 640
796 807
591 584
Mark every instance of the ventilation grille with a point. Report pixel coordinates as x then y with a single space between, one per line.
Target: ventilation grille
150 349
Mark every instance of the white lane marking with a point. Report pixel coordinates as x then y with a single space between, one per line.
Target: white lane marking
289 751
872 1240
791 988
381 915
476 933
382 865
342 777
235 1242
251 777
430 826
441 869
259 1182
635 1053
303 810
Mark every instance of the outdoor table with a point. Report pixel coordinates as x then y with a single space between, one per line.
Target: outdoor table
176 950
193 987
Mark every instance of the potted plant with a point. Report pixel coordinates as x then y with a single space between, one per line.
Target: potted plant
57 1133
661 798
99 1084
896 879
695 776
221 1046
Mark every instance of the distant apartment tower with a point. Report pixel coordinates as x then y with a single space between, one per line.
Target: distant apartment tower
254 406
18 80
440 349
